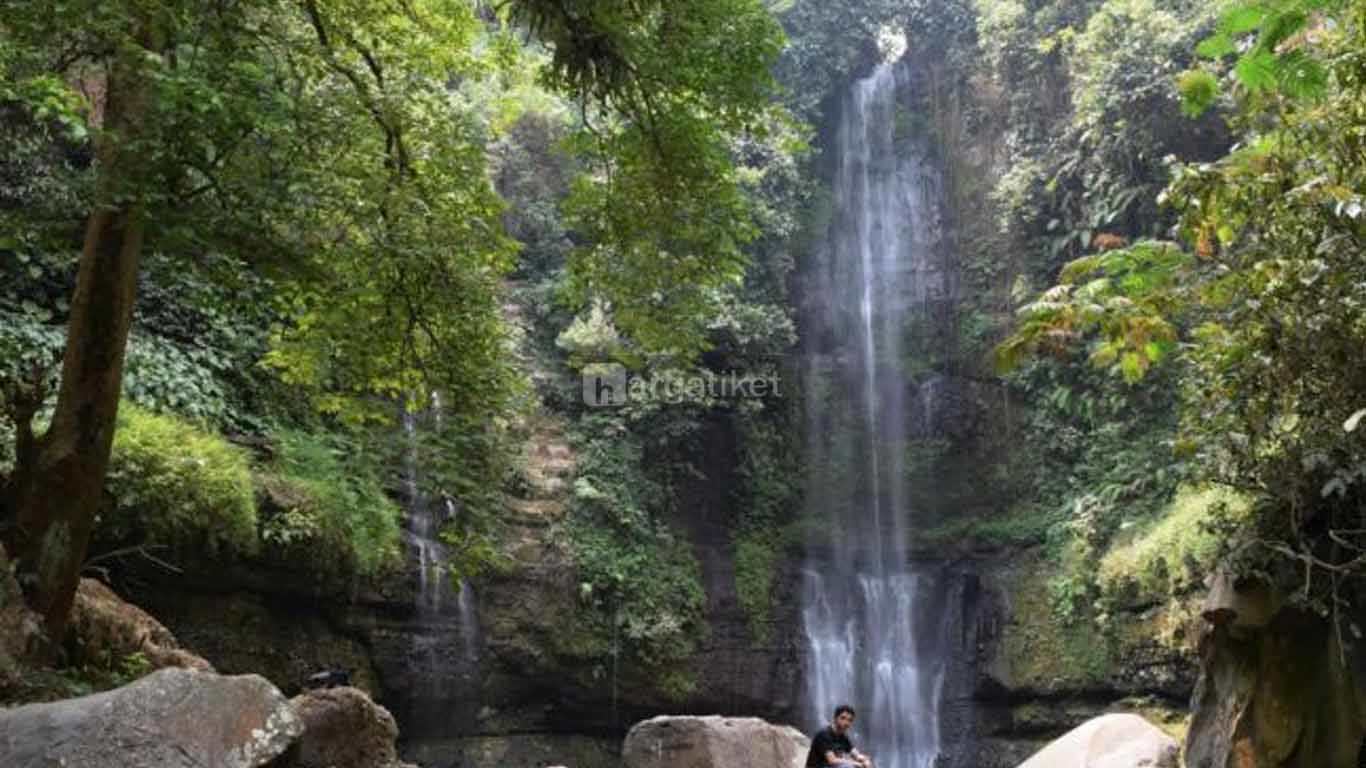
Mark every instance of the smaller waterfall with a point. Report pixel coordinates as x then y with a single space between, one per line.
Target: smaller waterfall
424 521
445 644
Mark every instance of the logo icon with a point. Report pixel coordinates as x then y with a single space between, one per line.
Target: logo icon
604 385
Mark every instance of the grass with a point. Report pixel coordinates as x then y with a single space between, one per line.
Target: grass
1171 554
328 503
179 485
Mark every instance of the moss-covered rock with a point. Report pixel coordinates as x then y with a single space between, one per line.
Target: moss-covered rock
1040 675
178 485
1043 654
1173 553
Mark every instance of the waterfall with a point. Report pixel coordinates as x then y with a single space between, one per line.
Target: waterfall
870 640
444 633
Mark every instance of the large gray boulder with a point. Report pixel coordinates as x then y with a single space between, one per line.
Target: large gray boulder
713 742
174 718
1110 741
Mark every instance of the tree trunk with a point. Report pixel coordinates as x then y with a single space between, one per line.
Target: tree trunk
58 480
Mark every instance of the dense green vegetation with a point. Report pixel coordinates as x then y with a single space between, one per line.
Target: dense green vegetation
1251 314
178 486
240 242
289 204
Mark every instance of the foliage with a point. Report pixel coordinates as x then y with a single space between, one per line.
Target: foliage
1271 47
467 466
532 171
328 505
766 498
1266 306
638 579
103 673
1092 118
176 485
1122 297
388 307
666 95
1173 553
827 44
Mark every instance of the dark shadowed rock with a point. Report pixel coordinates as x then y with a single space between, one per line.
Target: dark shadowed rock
713 742
105 626
343 728
21 630
175 718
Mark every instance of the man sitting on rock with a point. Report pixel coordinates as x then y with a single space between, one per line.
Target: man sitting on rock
831 746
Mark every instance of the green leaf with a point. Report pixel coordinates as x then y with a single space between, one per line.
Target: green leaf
1242 20
1216 46
1256 71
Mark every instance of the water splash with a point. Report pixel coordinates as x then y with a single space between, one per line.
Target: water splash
869 642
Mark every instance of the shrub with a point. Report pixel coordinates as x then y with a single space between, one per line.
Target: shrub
640 584
177 485
329 501
1172 553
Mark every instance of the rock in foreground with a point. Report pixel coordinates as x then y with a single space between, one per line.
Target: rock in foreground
343 728
174 718
1111 741
713 742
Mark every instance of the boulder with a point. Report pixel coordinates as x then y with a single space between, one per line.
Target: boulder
1110 741
104 626
713 742
343 728
21 631
1290 693
174 718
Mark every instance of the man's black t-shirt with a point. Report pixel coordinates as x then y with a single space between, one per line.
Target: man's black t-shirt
827 741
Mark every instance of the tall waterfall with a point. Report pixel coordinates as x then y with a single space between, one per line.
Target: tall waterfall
869 641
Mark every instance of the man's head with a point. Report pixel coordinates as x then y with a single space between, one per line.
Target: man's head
844 718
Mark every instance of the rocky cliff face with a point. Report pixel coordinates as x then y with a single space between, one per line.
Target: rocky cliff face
538 691
1031 676
1280 687
533 698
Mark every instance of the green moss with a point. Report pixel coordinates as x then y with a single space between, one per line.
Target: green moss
329 505
640 589
1042 652
1172 553
1173 721
764 526
756 562
178 485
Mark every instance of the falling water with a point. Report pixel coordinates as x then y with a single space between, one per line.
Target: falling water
869 640
424 527
447 643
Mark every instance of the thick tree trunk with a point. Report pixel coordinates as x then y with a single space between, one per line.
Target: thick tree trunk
58 481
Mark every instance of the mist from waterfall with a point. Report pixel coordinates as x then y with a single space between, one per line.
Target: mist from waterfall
869 642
